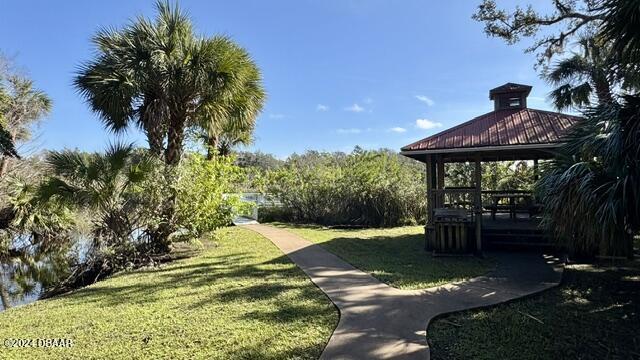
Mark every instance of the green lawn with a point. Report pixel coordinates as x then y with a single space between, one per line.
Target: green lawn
396 256
594 314
240 300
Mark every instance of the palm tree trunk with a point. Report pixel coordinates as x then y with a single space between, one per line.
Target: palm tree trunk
602 88
212 146
154 138
172 156
175 138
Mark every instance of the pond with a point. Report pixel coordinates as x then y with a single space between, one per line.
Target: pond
22 298
15 297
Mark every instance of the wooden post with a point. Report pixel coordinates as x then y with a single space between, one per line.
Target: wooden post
440 183
429 230
536 176
478 204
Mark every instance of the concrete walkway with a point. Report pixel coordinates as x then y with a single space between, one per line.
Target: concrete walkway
378 321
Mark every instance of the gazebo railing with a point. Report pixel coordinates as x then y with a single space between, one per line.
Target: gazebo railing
464 198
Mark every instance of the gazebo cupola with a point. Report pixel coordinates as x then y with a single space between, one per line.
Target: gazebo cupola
510 96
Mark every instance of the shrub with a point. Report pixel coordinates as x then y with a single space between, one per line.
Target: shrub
370 188
205 190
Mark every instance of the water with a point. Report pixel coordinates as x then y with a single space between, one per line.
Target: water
80 250
15 298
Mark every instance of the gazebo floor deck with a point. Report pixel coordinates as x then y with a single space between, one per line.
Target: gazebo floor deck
503 222
524 231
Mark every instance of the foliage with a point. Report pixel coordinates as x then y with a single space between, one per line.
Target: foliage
7 146
34 245
120 191
211 305
395 256
162 77
21 107
581 76
371 188
499 175
258 160
206 199
594 314
567 19
621 27
590 192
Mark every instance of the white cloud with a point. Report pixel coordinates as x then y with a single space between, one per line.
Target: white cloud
427 124
349 131
425 99
276 116
398 129
354 108
321 107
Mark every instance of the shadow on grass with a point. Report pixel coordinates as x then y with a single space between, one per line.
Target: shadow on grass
398 259
273 279
594 314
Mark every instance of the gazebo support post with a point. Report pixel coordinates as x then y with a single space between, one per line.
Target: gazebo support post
440 181
478 204
429 228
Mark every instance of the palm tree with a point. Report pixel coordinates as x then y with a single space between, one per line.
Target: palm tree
161 77
21 107
592 202
582 75
115 188
590 191
7 147
232 122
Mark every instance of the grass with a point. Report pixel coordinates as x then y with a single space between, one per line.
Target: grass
594 314
241 299
395 256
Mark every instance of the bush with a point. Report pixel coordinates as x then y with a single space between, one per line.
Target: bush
369 188
205 190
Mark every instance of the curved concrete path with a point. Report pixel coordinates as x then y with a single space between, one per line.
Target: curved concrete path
378 321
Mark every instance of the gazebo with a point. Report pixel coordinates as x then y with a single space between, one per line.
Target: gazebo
512 131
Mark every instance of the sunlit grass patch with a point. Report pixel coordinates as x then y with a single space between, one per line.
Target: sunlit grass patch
395 256
240 299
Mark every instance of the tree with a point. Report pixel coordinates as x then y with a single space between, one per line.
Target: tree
568 18
120 190
579 77
158 75
161 77
617 21
233 123
21 106
7 148
258 159
590 190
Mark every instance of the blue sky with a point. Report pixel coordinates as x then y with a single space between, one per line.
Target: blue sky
339 73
